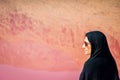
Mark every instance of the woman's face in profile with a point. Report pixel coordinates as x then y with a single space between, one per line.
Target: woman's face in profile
86 46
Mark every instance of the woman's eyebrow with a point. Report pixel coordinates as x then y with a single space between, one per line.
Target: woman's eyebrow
86 41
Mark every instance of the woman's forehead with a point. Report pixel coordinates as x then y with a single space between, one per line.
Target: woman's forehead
86 39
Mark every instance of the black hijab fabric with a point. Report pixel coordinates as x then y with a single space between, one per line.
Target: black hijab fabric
101 65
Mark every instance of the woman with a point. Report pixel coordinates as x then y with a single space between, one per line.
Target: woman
101 64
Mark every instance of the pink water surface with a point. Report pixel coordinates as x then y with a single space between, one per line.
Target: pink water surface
12 73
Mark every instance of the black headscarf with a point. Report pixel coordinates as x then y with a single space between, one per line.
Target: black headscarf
101 65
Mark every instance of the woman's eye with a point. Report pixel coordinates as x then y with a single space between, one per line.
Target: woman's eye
86 43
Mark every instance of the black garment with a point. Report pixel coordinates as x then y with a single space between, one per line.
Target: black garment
101 65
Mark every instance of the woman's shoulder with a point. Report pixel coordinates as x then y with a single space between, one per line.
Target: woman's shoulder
96 63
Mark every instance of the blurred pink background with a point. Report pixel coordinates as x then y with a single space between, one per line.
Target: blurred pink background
41 40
